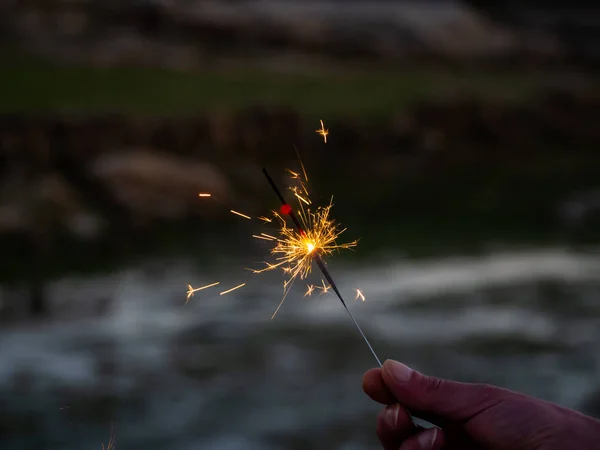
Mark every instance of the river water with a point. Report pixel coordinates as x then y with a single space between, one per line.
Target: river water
218 373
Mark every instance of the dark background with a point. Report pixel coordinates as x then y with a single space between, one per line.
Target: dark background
462 152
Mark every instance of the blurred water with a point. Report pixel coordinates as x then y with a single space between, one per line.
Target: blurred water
217 373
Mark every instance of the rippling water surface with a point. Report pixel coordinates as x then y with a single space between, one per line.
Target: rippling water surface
218 373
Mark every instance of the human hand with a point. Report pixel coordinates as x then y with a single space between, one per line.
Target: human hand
470 416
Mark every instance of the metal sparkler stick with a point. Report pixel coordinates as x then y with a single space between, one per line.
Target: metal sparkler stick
321 264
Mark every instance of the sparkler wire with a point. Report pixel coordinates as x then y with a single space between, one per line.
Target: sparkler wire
321 265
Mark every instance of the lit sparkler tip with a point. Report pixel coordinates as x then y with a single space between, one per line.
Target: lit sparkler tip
204 194
240 214
232 289
359 295
323 132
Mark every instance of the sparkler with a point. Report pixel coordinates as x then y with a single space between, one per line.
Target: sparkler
295 249
306 245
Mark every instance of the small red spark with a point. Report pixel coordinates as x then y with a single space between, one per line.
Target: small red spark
285 209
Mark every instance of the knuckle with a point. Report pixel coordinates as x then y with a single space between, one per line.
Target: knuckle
432 386
487 391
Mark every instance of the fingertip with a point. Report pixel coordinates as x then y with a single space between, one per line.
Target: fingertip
372 373
429 439
370 380
394 425
375 387
390 415
394 418
397 371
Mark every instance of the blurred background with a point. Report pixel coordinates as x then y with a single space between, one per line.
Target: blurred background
463 152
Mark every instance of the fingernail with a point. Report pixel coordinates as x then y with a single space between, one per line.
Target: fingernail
391 415
397 371
427 438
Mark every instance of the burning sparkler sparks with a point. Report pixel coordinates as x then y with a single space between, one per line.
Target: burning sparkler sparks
294 250
323 132
313 237
302 263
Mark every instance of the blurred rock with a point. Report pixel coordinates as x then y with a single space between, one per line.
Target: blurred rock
49 200
158 185
191 34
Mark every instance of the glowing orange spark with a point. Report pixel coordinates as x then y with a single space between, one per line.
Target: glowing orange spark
302 164
324 289
204 194
241 215
306 201
294 175
359 295
264 236
323 132
232 289
191 291
310 289
294 250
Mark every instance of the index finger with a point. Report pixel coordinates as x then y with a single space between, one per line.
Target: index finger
374 387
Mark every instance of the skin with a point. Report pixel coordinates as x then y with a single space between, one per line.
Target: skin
470 416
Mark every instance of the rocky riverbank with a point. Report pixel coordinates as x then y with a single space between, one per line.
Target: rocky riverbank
82 168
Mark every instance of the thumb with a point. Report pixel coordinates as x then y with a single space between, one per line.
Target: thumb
445 399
